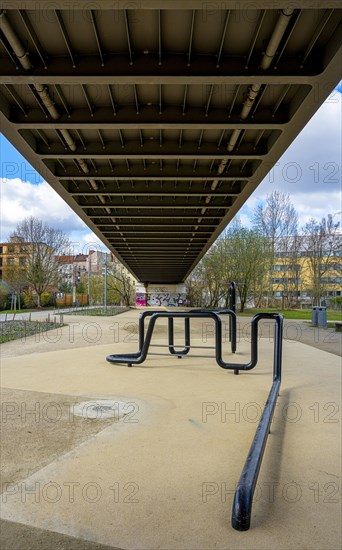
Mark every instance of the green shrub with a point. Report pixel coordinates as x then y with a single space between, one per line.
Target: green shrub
46 299
29 300
335 303
4 298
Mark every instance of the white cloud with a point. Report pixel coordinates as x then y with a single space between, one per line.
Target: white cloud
308 205
83 242
21 199
310 169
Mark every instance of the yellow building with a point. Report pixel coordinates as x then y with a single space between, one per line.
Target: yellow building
12 254
301 277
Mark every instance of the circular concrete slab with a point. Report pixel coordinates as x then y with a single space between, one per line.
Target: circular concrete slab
102 409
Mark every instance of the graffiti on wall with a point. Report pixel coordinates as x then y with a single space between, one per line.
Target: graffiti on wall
141 299
166 299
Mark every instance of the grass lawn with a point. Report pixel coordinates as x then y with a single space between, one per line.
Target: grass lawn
11 311
111 310
12 330
305 314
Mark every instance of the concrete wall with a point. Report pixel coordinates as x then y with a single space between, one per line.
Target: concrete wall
160 295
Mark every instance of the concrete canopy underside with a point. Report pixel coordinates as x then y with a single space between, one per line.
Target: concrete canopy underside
155 121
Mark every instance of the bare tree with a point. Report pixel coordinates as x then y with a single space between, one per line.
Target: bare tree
322 243
195 287
277 220
286 269
44 243
119 282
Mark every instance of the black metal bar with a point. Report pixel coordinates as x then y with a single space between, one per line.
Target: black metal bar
192 347
171 347
145 340
232 323
232 307
243 499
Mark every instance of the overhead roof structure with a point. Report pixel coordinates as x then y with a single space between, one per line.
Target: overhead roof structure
156 120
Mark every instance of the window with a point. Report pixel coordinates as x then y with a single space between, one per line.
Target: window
22 261
23 248
10 249
10 261
294 267
286 280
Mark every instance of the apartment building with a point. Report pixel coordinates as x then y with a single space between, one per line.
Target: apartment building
72 267
299 275
13 254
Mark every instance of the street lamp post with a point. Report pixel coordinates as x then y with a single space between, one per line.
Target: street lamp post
89 272
105 286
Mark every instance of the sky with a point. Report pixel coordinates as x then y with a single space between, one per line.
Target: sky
310 171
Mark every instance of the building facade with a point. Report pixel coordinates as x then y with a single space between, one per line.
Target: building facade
13 254
161 295
299 274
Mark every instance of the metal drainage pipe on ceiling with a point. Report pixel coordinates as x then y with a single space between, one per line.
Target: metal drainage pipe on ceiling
42 91
254 89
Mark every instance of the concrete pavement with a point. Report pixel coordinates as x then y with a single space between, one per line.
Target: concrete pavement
164 475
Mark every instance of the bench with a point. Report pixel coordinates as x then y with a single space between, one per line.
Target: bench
338 326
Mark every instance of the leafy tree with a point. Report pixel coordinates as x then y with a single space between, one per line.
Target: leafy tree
248 253
96 289
4 295
16 279
44 242
240 255
65 287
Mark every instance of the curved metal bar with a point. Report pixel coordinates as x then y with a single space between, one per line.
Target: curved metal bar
140 356
243 499
172 350
232 323
142 318
186 348
254 344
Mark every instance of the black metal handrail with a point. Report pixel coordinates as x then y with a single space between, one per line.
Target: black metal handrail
243 499
232 324
232 307
187 346
145 340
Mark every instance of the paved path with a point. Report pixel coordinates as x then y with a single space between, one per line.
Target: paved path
97 330
164 478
